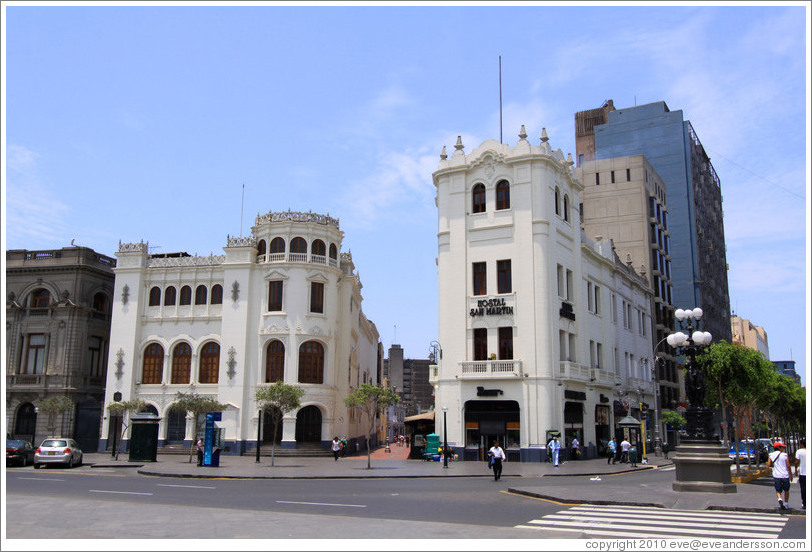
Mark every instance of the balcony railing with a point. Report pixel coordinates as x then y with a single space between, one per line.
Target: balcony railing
297 258
490 369
54 381
576 372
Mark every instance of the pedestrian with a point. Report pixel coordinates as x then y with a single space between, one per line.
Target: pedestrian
200 452
498 456
556 446
576 452
336 447
800 470
665 450
549 455
782 476
611 451
625 445
344 445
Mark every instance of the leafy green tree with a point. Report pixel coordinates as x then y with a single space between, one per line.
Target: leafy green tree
52 407
371 400
197 405
674 420
278 398
122 409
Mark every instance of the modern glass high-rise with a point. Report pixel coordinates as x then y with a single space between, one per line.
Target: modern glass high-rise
696 222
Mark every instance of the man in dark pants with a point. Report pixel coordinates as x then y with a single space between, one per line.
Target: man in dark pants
800 470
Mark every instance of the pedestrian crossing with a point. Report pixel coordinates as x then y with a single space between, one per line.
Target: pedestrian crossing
633 522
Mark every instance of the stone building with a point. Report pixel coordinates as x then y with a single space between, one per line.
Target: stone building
282 304
57 333
541 330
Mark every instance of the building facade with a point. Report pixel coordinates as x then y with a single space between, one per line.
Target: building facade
281 305
747 334
542 331
410 379
58 305
696 225
624 199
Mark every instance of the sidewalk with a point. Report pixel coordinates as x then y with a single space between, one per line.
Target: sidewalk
593 481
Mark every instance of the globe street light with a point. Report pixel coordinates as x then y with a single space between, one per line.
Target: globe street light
445 438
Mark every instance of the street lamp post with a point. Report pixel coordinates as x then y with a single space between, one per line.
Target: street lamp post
259 432
445 437
701 461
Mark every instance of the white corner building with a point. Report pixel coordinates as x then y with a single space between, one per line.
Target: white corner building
283 304
541 330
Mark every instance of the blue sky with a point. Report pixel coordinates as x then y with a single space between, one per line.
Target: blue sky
130 123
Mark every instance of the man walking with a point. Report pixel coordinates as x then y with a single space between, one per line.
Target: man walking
574 448
611 447
782 476
800 470
625 445
555 446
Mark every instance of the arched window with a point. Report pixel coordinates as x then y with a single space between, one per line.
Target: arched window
217 294
40 299
181 363
152 365
186 295
200 295
277 245
210 363
170 295
298 245
100 303
319 251
155 296
557 202
566 208
275 362
478 199
503 195
311 362
333 251
261 248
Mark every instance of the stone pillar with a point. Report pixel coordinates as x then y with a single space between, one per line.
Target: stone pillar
702 466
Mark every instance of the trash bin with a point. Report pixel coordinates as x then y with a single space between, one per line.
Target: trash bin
144 437
633 455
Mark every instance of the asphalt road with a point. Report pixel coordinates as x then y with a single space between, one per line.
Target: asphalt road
101 503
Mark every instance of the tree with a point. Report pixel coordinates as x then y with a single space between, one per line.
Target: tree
674 420
371 400
278 398
53 407
196 404
122 409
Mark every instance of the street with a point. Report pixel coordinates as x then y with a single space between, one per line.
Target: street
100 503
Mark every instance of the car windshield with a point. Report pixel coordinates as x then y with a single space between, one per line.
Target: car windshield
15 444
54 443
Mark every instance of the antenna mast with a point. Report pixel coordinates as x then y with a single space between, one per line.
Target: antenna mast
242 206
500 99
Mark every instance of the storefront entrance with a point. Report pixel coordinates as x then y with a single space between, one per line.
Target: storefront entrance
489 421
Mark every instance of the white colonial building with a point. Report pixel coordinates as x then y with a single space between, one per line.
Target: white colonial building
541 330
283 304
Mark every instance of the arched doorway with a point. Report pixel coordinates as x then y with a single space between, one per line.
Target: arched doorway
270 432
176 426
25 426
308 425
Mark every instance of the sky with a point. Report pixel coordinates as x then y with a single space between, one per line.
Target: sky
179 124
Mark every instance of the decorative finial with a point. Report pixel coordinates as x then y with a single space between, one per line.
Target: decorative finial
458 146
544 137
522 133
569 159
443 154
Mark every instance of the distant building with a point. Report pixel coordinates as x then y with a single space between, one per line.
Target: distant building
696 219
787 367
58 305
280 305
749 335
410 378
542 330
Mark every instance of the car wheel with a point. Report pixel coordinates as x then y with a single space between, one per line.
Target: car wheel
70 461
80 460
37 466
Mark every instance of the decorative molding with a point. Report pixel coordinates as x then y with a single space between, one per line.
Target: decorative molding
234 241
232 353
235 291
296 216
141 247
211 260
120 364
125 294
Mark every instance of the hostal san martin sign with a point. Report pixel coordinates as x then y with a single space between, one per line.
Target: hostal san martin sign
491 307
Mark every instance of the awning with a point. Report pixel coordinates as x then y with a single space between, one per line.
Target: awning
417 417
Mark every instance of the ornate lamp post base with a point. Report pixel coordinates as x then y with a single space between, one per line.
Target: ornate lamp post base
702 467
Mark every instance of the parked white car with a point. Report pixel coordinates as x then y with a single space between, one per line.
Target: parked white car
58 451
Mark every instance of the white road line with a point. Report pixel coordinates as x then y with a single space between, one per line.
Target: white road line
185 486
321 504
120 492
40 479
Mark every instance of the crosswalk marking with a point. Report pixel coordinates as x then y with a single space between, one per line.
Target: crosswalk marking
642 522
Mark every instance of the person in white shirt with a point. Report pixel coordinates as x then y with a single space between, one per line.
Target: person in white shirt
782 476
800 470
574 447
625 445
498 456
